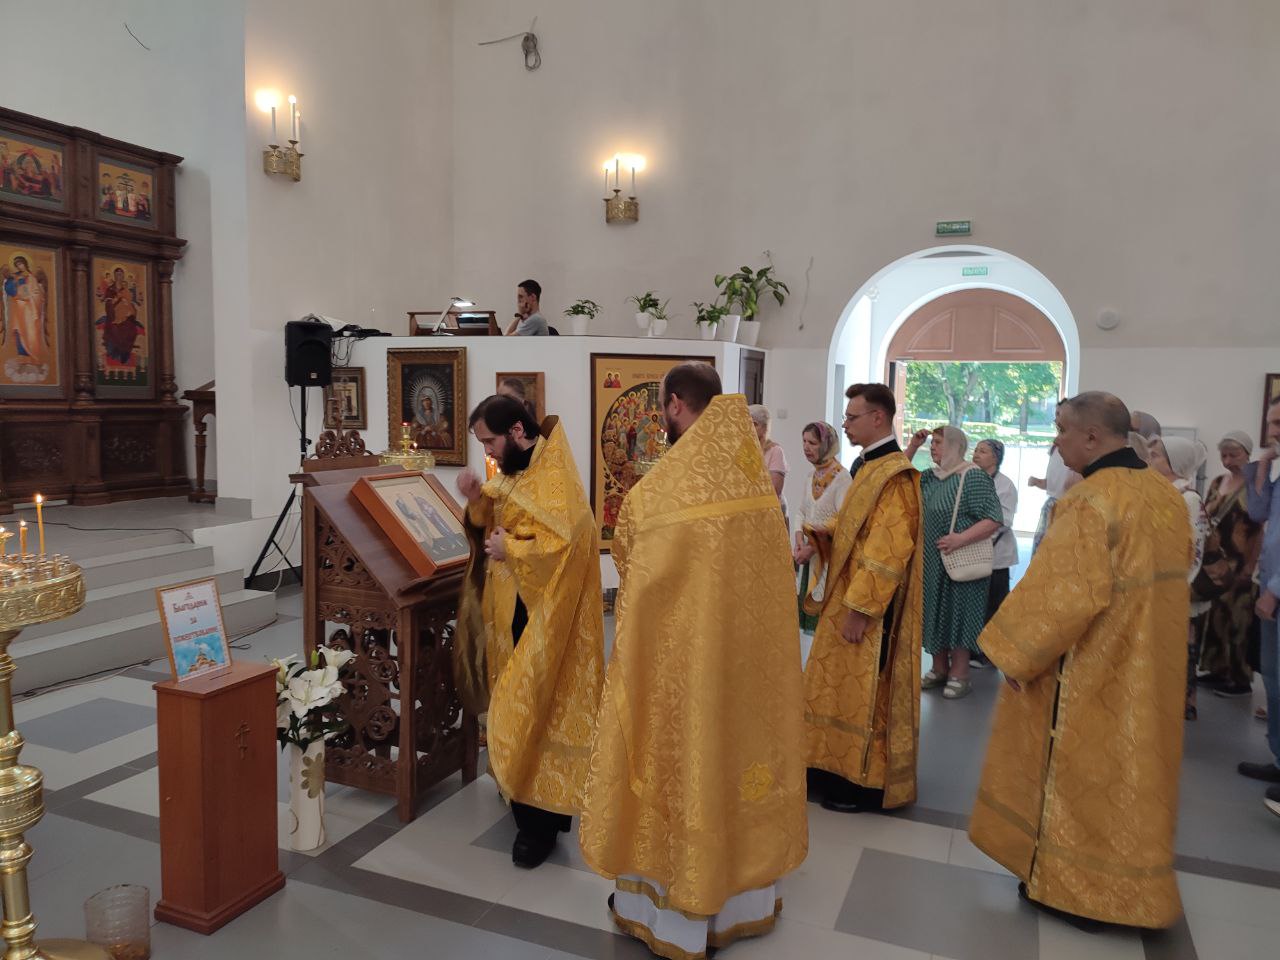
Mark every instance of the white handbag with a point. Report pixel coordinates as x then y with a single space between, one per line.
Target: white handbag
971 562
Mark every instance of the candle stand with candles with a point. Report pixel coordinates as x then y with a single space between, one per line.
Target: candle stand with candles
409 457
33 589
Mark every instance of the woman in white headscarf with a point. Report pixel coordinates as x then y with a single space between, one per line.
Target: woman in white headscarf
954 613
819 505
1226 577
1180 460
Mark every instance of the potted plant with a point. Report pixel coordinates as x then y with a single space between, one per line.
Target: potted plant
580 315
651 314
745 288
306 716
708 317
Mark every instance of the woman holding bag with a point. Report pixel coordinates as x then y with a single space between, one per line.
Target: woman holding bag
961 514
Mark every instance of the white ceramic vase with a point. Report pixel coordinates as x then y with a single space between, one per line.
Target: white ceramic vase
707 330
749 332
306 796
644 321
578 325
728 327
658 327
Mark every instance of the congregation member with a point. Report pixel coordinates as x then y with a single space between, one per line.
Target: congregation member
862 680
514 387
528 320
531 627
960 507
1178 460
825 492
775 459
988 456
1226 577
1078 797
1057 480
695 802
1263 491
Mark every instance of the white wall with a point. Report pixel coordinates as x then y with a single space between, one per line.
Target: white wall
1113 146
181 96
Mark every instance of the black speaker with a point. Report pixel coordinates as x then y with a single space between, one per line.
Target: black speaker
307 361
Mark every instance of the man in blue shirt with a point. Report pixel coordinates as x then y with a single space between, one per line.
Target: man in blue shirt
1264 507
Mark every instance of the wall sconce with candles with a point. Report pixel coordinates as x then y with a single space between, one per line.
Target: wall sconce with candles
616 208
277 159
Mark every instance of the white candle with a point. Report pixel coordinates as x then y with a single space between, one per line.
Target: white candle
274 141
606 181
293 115
617 171
633 181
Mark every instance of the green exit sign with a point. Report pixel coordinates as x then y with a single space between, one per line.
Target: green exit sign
954 228
973 271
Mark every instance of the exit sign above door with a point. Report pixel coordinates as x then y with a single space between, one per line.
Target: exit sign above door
953 228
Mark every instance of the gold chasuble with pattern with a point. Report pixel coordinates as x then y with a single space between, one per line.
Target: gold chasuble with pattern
862 700
544 691
1079 793
697 786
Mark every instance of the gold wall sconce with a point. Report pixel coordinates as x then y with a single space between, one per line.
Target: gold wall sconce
618 209
278 159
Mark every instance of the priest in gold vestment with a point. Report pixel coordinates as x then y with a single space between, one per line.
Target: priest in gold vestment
695 800
1079 793
535 633
862 680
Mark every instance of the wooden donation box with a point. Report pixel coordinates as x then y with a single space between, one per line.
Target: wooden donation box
218 826
407 729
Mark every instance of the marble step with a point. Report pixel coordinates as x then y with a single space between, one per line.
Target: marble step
172 560
103 604
117 644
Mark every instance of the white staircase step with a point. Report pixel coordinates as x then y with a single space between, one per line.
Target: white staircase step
116 644
104 604
112 545
173 560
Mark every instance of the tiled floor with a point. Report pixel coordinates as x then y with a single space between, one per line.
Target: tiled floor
904 887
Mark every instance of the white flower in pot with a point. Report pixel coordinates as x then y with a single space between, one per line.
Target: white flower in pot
580 316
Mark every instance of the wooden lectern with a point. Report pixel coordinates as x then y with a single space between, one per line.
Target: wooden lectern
218 828
408 730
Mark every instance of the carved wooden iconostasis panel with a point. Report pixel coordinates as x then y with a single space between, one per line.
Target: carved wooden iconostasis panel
88 400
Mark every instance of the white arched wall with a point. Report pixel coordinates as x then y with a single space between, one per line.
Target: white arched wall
862 335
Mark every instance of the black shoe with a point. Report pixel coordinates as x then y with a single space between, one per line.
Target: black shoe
1267 772
861 800
611 910
840 806
532 850
1232 690
1084 924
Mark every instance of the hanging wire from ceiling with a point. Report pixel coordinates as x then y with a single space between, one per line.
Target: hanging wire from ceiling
528 44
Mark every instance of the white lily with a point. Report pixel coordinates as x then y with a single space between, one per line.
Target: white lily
307 695
283 666
336 658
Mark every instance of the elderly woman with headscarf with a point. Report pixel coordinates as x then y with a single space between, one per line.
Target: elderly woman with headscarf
1226 576
819 506
1179 460
953 612
988 456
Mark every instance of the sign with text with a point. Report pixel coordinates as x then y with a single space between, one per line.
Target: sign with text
973 271
191 616
954 228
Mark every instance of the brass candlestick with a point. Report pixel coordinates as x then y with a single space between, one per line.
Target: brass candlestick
286 160
408 456
32 590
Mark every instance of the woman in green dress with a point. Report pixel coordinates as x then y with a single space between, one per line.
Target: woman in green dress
953 612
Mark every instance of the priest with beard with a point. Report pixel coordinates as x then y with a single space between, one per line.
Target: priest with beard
695 802
530 639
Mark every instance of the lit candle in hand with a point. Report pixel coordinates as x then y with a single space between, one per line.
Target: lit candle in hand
22 537
40 521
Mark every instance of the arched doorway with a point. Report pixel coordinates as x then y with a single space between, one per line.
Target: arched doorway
962 304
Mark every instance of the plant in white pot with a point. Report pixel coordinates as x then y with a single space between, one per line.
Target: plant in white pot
708 317
307 716
744 289
651 313
580 315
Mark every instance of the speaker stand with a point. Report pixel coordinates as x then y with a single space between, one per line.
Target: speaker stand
272 543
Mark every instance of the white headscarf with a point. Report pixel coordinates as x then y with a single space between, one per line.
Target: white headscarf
1240 439
954 446
1186 457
